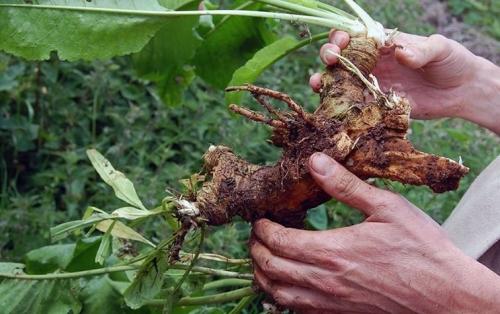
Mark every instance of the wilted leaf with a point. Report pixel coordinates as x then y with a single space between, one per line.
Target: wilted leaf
131 213
122 231
104 250
63 230
123 187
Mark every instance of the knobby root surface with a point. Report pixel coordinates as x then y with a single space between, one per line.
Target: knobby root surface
366 135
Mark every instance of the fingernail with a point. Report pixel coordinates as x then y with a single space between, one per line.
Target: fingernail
410 54
337 40
330 54
321 163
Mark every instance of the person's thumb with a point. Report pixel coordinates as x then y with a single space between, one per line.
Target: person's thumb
344 186
417 55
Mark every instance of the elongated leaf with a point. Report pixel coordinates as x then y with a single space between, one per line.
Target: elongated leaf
63 230
265 57
132 213
104 250
120 230
38 297
123 187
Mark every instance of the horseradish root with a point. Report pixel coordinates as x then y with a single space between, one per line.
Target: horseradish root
368 136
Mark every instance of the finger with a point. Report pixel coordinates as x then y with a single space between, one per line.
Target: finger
296 297
344 186
419 53
290 243
315 82
296 273
328 54
339 38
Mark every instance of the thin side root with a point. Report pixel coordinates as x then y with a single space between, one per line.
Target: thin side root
273 94
255 116
268 106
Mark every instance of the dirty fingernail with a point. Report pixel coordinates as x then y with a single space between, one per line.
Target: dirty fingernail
321 163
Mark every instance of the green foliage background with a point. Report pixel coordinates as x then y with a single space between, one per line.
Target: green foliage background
50 112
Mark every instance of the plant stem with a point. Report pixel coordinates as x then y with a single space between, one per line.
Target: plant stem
215 272
242 304
114 269
208 299
307 10
352 27
228 282
78 274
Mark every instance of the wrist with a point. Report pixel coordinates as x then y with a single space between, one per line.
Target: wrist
474 288
482 102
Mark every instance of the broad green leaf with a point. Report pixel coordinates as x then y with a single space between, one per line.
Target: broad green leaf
147 282
38 297
104 250
120 230
99 293
164 59
84 255
49 258
76 34
259 62
123 187
228 47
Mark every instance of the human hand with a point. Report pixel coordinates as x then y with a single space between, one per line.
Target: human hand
398 260
435 73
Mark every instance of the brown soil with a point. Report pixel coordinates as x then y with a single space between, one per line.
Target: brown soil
368 137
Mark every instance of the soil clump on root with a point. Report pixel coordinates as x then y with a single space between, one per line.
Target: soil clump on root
365 134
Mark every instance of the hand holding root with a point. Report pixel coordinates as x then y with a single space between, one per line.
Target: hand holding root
397 261
368 137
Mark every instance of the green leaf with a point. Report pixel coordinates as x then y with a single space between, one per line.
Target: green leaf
49 258
123 187
259 62
99 293
76 34
11 268
84 255
132 213
120 230
104 250
228 47
164 59
263 59
147 282
65 229
318 218
38 297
